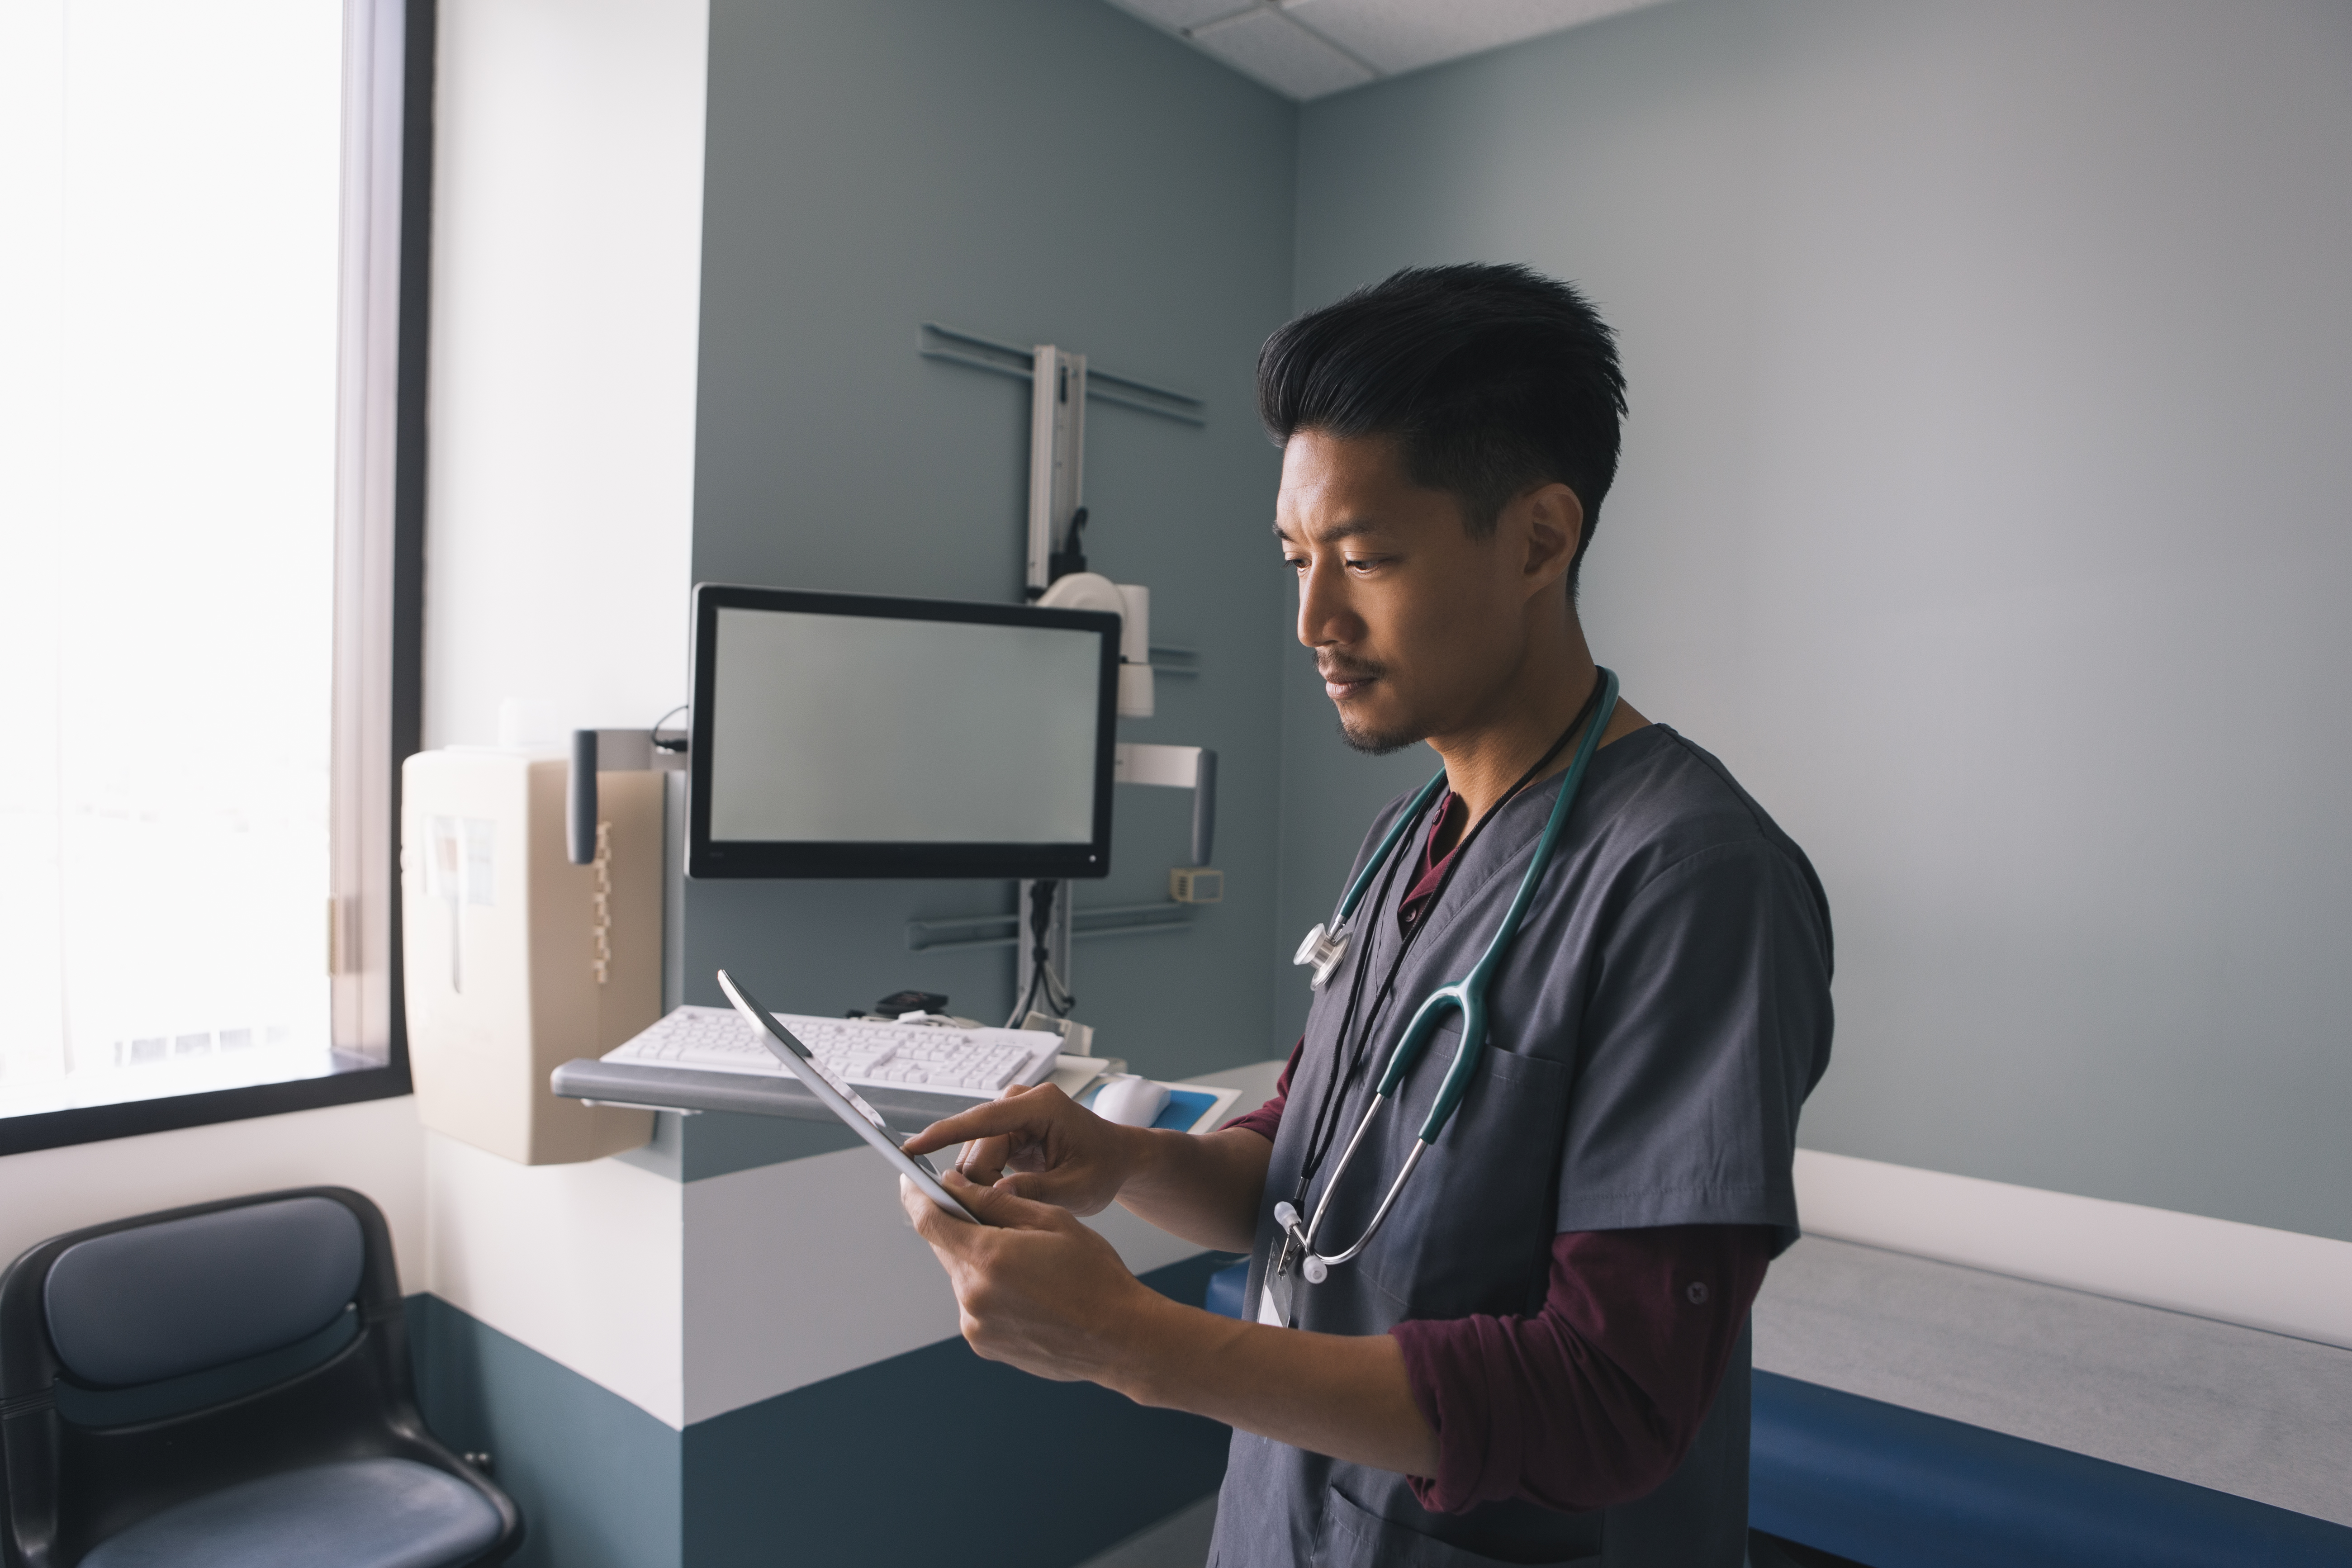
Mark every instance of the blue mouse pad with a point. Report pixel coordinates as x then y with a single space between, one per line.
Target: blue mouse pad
1185 1107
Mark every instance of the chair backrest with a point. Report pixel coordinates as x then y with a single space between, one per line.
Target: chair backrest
167 1301
180 1296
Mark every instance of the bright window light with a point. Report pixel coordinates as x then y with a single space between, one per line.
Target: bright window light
169 188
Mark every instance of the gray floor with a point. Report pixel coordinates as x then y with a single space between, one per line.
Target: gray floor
2235 1409
1180 1541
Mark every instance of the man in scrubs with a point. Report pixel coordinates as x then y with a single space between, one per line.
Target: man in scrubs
1542 1356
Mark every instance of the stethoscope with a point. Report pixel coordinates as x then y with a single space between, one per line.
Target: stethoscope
1326 947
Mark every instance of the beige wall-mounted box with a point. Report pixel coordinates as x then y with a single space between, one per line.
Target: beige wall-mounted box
517 960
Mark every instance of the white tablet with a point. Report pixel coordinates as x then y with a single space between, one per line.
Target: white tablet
837 1097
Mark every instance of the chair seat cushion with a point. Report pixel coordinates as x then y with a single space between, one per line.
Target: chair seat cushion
359 1513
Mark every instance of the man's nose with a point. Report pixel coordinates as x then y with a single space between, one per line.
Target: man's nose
1324 616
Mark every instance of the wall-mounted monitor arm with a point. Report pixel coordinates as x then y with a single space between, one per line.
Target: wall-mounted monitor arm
1177 767
1205 807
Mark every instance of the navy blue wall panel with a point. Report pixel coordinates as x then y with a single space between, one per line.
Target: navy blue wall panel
866 1469
596 1478
939 1457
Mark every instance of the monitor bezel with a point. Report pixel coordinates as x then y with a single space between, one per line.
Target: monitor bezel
710 859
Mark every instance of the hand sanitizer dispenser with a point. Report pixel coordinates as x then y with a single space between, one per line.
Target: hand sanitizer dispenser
517 960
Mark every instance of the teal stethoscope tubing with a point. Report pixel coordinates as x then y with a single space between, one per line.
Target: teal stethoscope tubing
1466 996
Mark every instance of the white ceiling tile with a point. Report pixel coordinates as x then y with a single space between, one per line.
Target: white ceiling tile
1266 44
1395 36
1177 15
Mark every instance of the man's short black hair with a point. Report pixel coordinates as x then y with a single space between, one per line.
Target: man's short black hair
1492 379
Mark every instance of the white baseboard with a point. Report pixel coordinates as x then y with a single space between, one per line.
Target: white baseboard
2248 1274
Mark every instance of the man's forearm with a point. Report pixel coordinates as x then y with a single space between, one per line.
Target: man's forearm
1343 1395
1204 1189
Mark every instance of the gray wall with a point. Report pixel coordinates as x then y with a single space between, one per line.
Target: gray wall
1984 506
1037 171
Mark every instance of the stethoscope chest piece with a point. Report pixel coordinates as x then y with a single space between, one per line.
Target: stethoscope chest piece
1324 949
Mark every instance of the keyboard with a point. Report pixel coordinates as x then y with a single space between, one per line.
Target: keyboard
942 1059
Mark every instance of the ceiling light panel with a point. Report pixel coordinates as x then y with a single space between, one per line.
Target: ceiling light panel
1183 15
1269 45
1395 36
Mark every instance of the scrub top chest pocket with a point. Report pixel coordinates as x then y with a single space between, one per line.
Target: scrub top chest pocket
1484 1195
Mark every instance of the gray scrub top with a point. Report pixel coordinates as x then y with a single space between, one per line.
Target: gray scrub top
1652 1035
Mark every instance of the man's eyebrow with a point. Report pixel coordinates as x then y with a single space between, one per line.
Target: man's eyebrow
1332 535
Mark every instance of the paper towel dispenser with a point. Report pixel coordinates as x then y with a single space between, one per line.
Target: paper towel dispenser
515 959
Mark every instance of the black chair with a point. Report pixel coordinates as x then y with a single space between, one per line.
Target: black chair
226 1384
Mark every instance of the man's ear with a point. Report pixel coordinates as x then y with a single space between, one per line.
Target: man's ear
1555 524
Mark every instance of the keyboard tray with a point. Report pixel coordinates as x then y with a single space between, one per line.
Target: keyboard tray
756 1094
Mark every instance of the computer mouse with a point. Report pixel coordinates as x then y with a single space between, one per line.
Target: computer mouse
1129 1101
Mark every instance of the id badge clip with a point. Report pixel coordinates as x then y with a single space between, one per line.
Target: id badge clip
1278 1297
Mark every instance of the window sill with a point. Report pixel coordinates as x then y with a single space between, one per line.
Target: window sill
21 1135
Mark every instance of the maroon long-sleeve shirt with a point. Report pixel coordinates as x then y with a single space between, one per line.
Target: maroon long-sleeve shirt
1594 1399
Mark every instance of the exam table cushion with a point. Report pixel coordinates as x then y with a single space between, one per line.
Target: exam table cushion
1897 1487
363 1514
139 1306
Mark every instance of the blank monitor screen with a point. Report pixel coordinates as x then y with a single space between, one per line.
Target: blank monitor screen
844 735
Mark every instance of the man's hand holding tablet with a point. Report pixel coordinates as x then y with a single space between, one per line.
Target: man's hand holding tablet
1034 1288
1037 1143
1047 1294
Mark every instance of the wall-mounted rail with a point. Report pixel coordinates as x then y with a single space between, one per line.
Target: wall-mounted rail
974 352
1003 931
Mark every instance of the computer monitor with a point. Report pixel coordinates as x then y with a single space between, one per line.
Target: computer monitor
848 735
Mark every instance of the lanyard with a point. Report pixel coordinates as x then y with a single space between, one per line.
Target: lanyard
1466 996
1348 1064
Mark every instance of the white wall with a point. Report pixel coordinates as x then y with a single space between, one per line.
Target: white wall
567 254
579 1262
693 1298
1984 506
374 1147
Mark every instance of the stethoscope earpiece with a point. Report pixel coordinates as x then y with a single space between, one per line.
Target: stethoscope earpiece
1313 1266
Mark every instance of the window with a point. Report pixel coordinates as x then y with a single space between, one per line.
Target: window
211 321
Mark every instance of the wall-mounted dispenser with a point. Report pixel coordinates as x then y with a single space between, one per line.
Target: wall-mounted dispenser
516 958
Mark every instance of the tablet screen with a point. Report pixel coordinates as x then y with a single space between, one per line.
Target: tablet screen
837 1097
